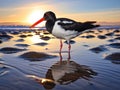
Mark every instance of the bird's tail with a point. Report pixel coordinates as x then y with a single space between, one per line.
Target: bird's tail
89 25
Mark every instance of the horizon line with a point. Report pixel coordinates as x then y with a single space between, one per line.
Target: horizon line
25 23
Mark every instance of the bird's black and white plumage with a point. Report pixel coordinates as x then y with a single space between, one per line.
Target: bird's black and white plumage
64 28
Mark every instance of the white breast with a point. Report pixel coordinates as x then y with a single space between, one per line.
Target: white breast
61 33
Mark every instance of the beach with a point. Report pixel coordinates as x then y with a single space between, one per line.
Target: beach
30 60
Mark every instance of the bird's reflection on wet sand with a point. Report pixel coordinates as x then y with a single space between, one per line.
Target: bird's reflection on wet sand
65 72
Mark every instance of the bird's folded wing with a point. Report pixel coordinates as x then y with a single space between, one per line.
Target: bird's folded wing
69 24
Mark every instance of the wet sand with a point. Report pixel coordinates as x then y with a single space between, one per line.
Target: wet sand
31 61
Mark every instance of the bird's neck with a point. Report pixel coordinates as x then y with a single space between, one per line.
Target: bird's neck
49 25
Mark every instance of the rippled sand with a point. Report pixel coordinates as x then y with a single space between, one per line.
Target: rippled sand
31 61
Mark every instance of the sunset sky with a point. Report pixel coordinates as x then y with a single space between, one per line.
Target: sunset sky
80 10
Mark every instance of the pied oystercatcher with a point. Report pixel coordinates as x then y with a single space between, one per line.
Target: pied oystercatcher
64 28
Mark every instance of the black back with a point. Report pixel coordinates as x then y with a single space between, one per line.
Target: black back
76 26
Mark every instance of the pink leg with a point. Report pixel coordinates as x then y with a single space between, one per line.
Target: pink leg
61 45
69 48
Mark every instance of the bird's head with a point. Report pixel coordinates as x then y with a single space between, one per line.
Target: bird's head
47 16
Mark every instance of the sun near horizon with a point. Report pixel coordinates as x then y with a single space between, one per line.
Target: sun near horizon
28 12
31 16
34 16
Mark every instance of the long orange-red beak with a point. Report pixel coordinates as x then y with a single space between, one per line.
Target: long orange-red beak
39 21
